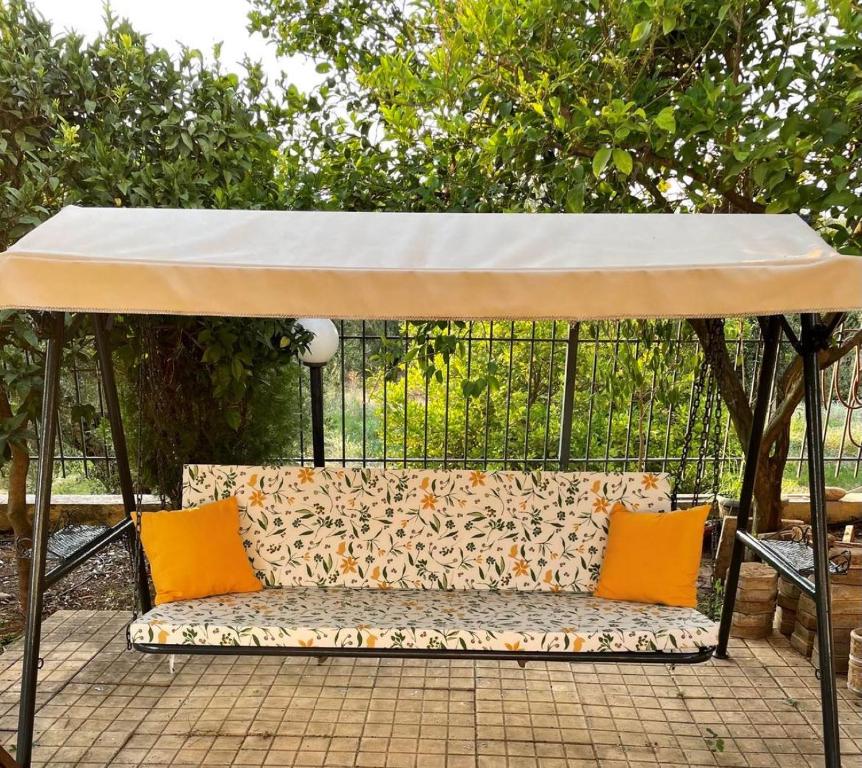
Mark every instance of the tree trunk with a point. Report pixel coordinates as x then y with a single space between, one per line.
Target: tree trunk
767 493
16 509
22 524
767 485
776 435
773 454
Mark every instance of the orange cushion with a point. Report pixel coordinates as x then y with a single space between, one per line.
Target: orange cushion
653 557
197 552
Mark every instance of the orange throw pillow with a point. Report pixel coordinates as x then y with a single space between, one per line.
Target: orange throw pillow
653 557
197 552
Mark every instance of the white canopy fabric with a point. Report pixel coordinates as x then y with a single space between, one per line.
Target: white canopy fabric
426 265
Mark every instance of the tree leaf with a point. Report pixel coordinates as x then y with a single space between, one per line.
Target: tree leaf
600 160
641 31
623 161
233 418
666 120
575 199
784 77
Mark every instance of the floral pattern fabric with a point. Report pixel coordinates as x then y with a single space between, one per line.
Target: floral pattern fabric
297 617
425 529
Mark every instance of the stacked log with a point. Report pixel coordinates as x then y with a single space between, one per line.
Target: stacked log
754 608
846 616
802 639
853 551
834 493
854 673
725 546
788 599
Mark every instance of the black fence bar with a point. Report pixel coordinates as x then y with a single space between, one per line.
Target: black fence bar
487 431
568 403
573 416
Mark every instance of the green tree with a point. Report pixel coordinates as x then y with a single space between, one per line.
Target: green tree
20 393
118 122
503 400
219 390
545 105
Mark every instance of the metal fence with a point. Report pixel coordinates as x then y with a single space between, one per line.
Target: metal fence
582 396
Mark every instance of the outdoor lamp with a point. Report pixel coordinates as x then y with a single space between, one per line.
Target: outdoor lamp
322 348
319 352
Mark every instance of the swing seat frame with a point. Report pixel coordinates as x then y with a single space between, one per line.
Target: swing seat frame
499 563
375 266
477 624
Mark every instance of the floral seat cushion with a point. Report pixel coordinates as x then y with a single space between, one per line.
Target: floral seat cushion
425 529
476 620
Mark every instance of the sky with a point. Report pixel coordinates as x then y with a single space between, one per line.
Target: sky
194 23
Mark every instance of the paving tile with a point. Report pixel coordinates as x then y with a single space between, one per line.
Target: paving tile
100 705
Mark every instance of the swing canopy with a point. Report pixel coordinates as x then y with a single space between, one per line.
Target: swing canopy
426 265
437 266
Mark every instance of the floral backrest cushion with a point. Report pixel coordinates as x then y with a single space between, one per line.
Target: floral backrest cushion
425 529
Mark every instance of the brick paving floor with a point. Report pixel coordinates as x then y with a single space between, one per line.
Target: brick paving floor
100 704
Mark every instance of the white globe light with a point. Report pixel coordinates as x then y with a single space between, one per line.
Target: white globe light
324 345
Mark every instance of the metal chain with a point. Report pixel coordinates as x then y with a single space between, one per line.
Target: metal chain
697 391
715 528
705 431
716 447
719 340
707 378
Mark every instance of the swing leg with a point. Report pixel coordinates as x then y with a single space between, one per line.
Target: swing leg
121 451
811 345
771 336
38 553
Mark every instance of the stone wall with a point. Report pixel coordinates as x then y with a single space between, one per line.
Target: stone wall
69 509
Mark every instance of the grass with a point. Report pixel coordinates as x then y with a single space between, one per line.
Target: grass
848 475
714 742
73 483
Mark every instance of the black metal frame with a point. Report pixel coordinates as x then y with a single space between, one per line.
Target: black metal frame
315 371
620 657
813 338
771 338
38 556
84 553
121 451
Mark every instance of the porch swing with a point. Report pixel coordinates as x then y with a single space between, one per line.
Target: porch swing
434 266
434 608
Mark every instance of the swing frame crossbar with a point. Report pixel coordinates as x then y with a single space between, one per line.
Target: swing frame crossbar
814 337
594 657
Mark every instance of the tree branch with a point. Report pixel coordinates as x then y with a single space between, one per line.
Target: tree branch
667 164
734 198
729 385
16 502
658 198
795 388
